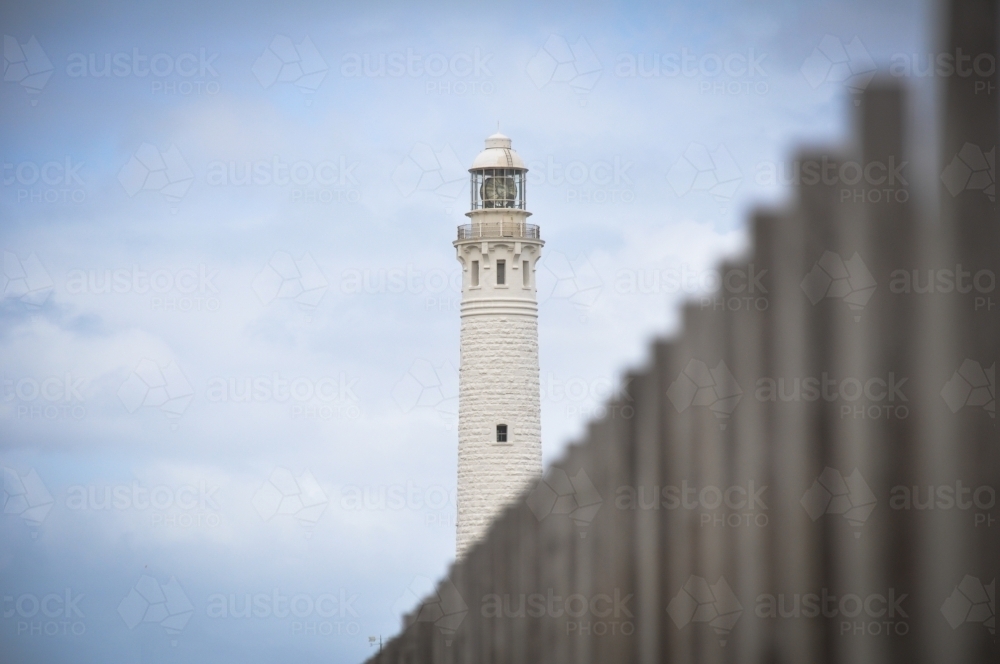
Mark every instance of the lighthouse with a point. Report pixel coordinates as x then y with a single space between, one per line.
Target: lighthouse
499 418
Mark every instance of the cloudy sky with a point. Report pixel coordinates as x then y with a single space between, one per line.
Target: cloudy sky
230 307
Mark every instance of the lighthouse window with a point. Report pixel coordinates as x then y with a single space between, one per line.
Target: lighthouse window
501 433
475 273
498 187
499 192
525 275
501 273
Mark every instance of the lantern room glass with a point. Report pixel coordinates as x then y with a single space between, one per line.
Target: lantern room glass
498 188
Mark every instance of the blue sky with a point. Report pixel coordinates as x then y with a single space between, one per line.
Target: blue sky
333 293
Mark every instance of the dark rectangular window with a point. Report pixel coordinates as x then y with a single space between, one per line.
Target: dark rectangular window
501 273
526 276
501 433
475 273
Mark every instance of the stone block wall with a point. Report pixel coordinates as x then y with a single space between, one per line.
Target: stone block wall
498 384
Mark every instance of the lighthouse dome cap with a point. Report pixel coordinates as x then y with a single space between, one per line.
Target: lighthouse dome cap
498 154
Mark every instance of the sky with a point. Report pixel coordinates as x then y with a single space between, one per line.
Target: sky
229 324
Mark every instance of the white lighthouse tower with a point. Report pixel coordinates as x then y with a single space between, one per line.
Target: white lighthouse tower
499 421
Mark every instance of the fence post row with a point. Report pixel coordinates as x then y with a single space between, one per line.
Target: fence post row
842 477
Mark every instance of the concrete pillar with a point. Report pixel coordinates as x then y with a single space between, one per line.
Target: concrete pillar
747 555
680 525
647 544
959 441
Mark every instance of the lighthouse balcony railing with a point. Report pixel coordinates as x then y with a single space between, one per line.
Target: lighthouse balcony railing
491 229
